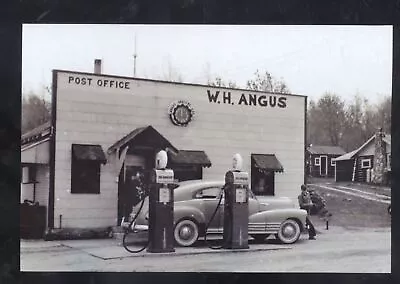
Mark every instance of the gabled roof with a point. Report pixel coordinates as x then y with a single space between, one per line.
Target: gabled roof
387 139
327 150
147 135
37 134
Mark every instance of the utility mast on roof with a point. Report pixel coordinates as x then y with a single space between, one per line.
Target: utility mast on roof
134 60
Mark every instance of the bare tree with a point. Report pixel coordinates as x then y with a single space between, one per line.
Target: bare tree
325 120
384 117
354 132
331 122
35 111
218 82
266 82
172 74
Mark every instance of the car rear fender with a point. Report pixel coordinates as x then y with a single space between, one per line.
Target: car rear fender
280 215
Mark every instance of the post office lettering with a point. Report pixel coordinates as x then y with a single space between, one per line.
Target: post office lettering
104 83
79 80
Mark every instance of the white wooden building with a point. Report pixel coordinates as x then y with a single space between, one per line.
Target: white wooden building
106 128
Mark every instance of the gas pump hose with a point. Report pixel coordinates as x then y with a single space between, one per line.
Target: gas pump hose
208 224
129 228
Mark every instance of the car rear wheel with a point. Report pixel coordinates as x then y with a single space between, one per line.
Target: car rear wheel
260 237
186 232
289 232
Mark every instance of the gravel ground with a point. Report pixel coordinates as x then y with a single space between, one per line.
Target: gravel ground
352 211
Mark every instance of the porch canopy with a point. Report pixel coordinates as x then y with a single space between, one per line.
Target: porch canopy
36 152
267 162
190 157
35 145
143 138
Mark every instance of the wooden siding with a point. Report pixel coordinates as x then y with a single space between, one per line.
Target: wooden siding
37 154
315 170
41 187
344 170
99 115
361 174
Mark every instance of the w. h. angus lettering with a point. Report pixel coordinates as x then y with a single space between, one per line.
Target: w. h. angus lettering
261 100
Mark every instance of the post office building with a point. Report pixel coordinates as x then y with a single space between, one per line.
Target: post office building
106 129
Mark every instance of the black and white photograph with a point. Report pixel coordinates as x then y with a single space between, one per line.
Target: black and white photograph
205 148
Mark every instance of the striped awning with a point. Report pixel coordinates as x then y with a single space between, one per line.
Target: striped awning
186 157
267 162
88 153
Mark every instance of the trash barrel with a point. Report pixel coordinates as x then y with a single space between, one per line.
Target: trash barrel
32 221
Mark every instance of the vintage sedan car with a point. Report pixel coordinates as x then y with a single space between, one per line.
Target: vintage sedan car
196 201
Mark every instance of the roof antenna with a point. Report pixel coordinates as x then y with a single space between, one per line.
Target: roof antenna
134 60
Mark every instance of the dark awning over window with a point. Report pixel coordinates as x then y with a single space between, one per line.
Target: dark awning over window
186 157
267 162
88 153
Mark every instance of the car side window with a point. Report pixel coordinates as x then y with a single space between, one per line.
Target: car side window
208 193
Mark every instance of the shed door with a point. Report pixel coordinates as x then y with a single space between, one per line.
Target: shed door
324 165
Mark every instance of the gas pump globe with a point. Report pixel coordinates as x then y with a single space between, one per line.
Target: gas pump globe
161 160
161 206
237 162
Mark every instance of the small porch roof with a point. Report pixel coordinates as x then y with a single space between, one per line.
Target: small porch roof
145 136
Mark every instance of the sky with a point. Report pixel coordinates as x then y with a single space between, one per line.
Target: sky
312 60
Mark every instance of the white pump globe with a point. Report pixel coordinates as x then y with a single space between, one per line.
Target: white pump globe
237 164
161 160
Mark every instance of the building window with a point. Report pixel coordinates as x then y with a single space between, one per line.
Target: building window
333 163
262 182
85 176
366 163
317 161
28 174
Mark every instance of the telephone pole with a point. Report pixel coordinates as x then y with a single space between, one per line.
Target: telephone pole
134 60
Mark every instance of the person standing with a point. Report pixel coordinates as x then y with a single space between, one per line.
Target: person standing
306 204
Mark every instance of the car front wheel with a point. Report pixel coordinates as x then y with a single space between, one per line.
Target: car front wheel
186 233
289 232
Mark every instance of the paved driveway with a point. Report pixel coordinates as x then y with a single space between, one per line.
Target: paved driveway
335 250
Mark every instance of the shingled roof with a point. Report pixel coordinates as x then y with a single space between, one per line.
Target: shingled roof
36 134
387 139
326 150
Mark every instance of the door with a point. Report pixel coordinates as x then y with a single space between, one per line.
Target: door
128 194
127 183
324 165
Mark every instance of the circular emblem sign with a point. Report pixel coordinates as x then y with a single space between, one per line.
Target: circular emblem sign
181 113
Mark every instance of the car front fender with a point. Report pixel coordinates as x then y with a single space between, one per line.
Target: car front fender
189 212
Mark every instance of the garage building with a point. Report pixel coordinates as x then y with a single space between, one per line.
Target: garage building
105 129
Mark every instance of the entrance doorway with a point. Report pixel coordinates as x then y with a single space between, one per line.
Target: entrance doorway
129 185
324 165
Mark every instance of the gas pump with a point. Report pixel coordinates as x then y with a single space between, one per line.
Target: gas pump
161 207
236 213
